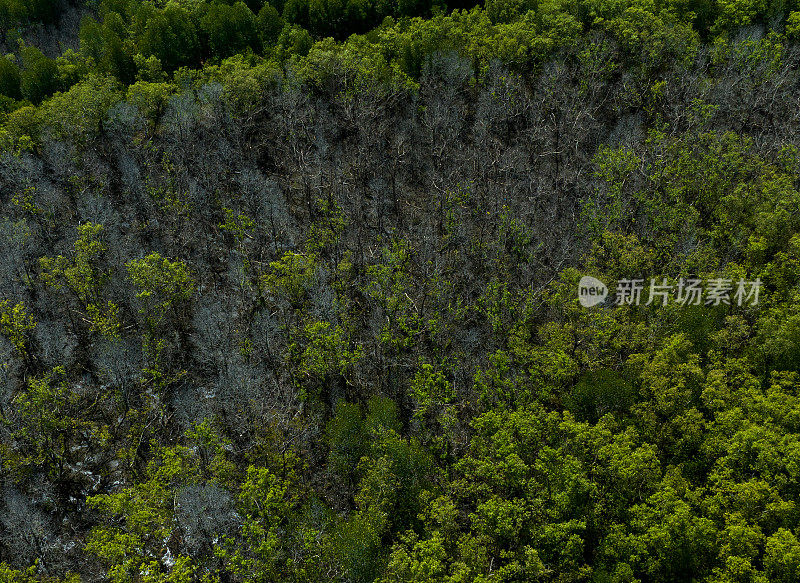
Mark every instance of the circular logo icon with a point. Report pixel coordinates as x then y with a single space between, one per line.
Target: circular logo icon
591 291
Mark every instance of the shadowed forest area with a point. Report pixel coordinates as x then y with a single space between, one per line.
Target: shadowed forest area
289 292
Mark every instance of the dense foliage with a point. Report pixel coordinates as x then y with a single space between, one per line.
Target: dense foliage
289 292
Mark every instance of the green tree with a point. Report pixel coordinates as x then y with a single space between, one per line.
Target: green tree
270 24
15 325
278 541
82 275
294 40
230 29
141 517
79 113
51 423
10 575
90 37
39 77
116 59
163 286
172 37
10 78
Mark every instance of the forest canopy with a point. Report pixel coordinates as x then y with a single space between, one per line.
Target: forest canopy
290 292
